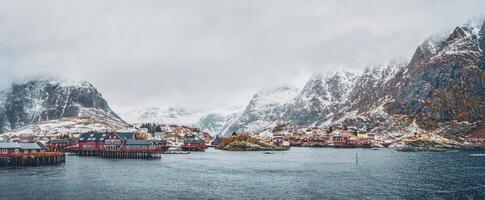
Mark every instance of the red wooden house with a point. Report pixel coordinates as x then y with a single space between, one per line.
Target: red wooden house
193 145
278 139
141 146
341 141
162 145
60 145
90 143
8 149
115 141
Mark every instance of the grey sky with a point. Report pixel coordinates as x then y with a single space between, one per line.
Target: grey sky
203 54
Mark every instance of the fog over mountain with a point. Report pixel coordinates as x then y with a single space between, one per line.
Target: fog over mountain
203 54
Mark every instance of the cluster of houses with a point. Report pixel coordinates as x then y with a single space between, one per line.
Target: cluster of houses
181 134
10 149
324 137
27 153
116 144
342 138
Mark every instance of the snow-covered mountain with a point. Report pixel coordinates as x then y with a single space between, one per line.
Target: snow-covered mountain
265 109
42 100
215 121
321 99
446 87
211 121
441 89
178 116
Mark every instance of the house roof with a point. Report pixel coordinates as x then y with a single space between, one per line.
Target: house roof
41 145
194 142
9 145
30 146
160 142
139 142
64 141
126 135
93 137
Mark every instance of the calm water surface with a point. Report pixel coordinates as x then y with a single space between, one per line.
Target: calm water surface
301 173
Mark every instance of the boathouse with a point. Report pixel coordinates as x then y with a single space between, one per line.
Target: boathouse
8 149
115 141
139 146
60 145
117 145
30 147
162 145
193 145
27 154
278 139
24 148
91 143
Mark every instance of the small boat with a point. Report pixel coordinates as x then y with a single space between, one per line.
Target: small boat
267 152
176 152
478 155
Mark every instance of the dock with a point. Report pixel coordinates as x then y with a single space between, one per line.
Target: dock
33 159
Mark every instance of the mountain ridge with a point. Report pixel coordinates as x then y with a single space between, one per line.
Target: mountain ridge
44 99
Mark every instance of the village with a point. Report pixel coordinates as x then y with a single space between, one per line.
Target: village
150 141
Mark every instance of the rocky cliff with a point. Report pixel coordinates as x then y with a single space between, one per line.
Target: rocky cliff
50 99
441 89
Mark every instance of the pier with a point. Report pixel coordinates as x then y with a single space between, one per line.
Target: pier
117 145
34 159
120 154
193 145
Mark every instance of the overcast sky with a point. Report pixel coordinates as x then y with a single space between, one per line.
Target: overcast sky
202 54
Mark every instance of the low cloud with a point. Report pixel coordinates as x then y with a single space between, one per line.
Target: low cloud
206 53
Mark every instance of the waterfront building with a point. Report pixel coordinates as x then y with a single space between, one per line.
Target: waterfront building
60 145
162 145
27 154
8 149
91 142
117 145
193 145
27 148
278 139
140 146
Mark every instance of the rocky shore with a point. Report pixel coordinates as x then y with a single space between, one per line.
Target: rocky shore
425 145
247 142
246 146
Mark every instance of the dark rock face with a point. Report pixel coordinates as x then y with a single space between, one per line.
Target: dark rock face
265 109
373 87
442 87
41 100
448 86
482 46
214 123
320 99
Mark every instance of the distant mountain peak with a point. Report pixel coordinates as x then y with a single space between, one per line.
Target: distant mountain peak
42 99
